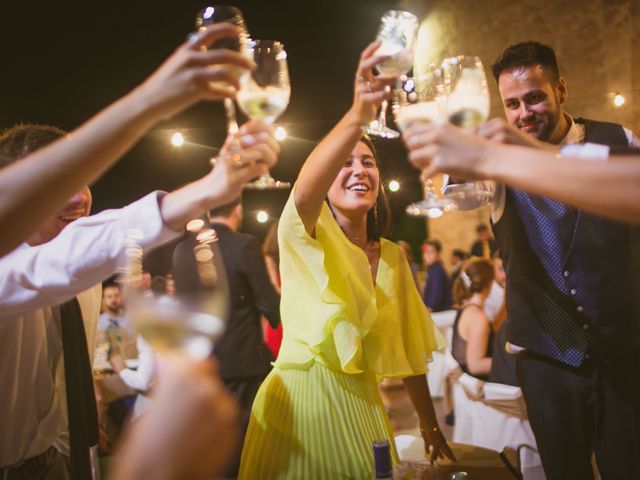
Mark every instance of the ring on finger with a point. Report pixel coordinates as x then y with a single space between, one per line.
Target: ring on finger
237 161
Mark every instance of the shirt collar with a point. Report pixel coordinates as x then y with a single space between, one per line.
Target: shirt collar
575 133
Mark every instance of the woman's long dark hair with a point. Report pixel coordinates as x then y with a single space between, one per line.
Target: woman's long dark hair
379 222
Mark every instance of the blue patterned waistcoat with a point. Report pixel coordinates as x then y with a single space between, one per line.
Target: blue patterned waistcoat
573 278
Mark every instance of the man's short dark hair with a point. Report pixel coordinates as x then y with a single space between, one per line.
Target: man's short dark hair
226 209
527 54
461 254
20 140
482 227
435 244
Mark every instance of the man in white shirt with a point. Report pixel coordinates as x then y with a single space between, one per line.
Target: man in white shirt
69 256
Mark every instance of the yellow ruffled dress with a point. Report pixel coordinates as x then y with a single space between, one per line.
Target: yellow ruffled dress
318 412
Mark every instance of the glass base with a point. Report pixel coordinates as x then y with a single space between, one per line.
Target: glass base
431 207
267 182
468 196
378 130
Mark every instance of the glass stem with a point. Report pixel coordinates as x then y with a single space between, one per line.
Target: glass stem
429 189
382 118
232 123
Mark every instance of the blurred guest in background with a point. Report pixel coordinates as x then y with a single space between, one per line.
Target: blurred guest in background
413 265
243 357
472 341
458 256
114 327
494 305
485 244
272 336
437 288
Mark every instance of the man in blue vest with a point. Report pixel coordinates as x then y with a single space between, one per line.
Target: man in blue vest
573 288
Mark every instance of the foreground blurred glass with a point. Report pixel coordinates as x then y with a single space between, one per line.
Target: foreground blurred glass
183 308
421 100
218 14
397 33
265 91
467 106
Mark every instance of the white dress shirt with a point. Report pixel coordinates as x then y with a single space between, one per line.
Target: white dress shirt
33 281
141 379
493 303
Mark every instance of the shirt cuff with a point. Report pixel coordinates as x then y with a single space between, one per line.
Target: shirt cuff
586 151
143 220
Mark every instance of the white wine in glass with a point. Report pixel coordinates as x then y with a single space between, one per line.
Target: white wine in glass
420 99
266 103
189 319
397 35
265 92
468 106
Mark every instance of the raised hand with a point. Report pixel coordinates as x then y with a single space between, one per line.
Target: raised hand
369 89
186 76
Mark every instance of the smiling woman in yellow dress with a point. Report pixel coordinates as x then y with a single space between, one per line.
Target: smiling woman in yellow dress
351 315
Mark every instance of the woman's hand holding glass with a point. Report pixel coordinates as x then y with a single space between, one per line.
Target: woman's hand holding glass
397 35
370 90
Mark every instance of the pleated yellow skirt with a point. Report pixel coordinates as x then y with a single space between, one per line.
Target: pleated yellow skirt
314 424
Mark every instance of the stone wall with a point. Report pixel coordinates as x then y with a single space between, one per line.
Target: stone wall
597 43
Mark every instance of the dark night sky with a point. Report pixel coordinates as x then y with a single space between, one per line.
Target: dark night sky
64 61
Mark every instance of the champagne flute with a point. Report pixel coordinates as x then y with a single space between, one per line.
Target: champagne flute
218 14
421 100
190 319
467 107
397 33
264 93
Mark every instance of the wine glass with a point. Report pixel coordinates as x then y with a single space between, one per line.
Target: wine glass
467 107
264 92
218 14
397 33
190 319
421 99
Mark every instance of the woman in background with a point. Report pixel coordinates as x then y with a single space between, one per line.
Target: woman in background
272 336
472 340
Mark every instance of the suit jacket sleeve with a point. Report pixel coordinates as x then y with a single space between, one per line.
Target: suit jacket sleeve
254 267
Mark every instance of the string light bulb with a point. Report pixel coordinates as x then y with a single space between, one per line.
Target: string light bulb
280 133
394 185
262 216
177 139
618 100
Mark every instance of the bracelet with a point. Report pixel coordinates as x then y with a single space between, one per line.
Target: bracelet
425 430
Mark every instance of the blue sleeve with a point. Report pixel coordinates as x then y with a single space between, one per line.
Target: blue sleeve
437 295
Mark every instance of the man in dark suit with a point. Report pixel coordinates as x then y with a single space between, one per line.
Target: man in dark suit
437 289
244 358
485 245
573 289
